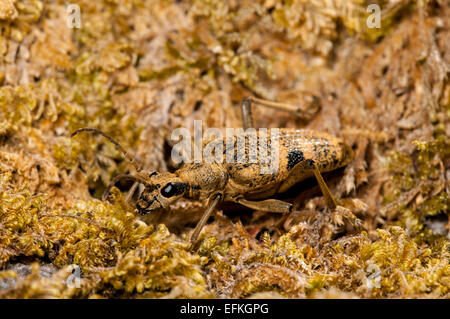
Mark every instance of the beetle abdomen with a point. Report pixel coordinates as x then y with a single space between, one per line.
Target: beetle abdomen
327 151
293 147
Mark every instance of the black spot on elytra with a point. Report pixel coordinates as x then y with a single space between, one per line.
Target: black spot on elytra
294 157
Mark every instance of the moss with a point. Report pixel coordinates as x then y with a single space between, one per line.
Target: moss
420 184
138 69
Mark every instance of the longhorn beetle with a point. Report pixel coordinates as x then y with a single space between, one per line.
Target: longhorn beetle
302 154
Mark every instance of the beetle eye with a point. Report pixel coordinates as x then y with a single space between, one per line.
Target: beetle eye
173 189
168 190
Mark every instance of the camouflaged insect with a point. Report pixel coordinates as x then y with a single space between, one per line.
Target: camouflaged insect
300 155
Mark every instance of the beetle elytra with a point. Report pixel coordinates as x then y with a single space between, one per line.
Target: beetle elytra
301 154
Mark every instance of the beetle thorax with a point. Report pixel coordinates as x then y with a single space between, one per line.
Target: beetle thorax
204 179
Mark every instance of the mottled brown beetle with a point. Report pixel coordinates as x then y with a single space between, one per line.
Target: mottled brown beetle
302 154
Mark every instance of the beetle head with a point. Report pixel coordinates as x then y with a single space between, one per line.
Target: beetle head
162 190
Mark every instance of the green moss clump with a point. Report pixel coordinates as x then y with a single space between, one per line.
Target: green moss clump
420 186
116 254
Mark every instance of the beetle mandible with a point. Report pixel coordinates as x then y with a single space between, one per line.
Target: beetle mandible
302 154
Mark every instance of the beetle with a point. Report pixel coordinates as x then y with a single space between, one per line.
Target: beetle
301 154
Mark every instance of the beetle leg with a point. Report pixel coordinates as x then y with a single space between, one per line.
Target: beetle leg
271 206
131 191
331 202
305 113
308 168
119 177
212 204
268 205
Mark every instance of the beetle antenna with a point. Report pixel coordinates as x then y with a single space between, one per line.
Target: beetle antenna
129 157
120 177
